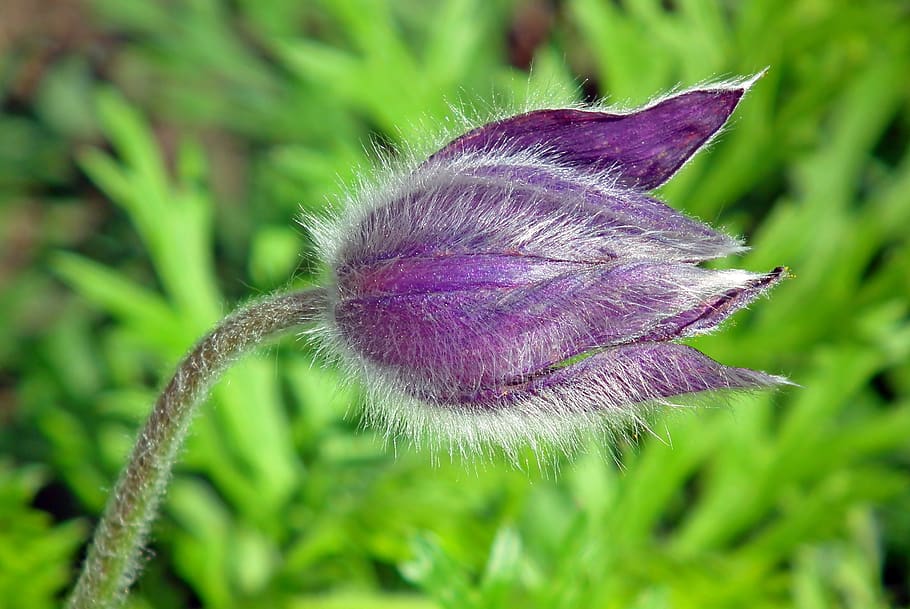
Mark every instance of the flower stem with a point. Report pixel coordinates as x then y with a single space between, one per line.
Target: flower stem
111 564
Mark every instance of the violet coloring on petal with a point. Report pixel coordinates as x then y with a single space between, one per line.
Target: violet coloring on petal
520 284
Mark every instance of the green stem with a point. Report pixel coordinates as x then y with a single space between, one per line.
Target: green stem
111 565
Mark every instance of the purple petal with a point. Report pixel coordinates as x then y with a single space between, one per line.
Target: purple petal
710 313
488 205
633 374
644 148
627 221
417 275
453 327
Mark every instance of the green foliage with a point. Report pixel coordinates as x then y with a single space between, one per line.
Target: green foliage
33 552
150 181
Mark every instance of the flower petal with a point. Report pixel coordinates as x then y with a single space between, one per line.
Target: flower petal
710 313
530 207
607 390
451 328
632 374
440 273
630 224
644 148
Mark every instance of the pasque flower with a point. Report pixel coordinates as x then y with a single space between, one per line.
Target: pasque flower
520 284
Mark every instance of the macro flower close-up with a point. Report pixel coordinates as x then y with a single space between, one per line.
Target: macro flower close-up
463 304
521 283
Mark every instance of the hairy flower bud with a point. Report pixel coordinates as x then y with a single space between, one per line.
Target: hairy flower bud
520 284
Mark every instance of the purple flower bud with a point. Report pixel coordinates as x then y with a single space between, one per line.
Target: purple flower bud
521 285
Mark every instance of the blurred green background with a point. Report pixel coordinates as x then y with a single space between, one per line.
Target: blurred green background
153 159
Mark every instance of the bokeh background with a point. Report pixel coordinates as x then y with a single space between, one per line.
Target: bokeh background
153 159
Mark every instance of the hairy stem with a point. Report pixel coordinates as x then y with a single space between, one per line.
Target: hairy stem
111 564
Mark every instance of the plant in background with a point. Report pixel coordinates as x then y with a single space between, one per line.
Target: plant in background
518 286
